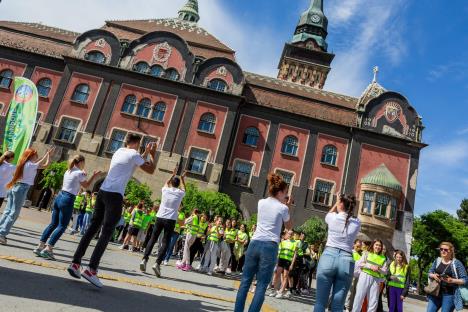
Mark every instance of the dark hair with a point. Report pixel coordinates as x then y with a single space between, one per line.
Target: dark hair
402 254
88 192
141 205
356 240
175 182
276 184
196 211
349 201
373 243
132 138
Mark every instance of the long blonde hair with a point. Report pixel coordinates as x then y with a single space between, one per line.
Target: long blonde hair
75 161
25 157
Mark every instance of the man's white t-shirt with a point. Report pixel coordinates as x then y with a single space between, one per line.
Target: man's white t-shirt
122 166
29 173
339 236
72 180
270 218
6 174
171 199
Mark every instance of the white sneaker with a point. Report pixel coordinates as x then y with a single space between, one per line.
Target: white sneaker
3 240
122 247
288 294
91 277
157 270
228 271
210 273
279 295
165 262
74 270
273 294
143 265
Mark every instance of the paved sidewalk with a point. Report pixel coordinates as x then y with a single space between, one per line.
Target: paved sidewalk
30 283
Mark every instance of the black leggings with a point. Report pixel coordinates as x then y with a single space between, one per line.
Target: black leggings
197 247
161 224
1 201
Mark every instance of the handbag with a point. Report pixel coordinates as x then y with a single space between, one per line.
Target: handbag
464 294
433 288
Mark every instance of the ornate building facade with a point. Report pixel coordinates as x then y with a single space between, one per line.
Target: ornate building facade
174 83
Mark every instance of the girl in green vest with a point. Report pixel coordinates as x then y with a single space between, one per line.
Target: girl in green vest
136 222
287 257
192 224
374 270
210 254
398 282
239 248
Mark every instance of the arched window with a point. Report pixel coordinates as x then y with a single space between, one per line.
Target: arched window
43 87
290 145
141 67
6 77
329 155
158 111
129 104
96 57
144 108
251 136
81 93
156 71
207 123
218 85
172 74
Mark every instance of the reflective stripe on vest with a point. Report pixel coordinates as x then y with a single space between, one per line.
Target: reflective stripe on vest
78 202
202 229
138 219
181 217
213 234
399 273
194 227
377 260
127 216
231 235
287 249
356 256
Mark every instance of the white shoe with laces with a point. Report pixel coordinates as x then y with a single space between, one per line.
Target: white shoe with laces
91 277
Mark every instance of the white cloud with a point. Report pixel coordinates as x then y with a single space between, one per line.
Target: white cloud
343 12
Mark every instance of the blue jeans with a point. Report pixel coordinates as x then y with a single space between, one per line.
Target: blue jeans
16 197
170 249
86 222
444 302
334 273
61 214
260 260
79 222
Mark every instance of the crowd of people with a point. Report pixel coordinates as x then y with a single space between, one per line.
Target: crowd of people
272 258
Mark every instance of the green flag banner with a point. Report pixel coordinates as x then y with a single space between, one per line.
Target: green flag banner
21 118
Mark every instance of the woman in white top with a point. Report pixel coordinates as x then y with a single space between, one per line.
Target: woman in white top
23 178
6 172
260 258
62 211
336 265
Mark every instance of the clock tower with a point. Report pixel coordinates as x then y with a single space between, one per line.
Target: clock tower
305 59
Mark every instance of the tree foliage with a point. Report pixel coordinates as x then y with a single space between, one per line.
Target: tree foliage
210 202
315 230
253 220
53 175
136 192
462 213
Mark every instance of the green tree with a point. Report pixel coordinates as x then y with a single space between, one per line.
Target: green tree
462 213
52 176
136 192
253 220
315 230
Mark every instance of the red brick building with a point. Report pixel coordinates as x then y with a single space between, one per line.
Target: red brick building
174 83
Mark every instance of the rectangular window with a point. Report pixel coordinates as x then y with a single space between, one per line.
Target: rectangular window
145 141
67 131
242 171
117 140
381 204
367 201
322 192
287 177
394 207
197 160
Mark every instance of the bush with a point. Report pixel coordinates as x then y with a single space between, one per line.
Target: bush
136 192
315 230
53 175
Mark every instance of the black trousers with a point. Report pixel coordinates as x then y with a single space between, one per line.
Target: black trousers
197 247
1 201
107 212
233 261
148 236
161 224
124 232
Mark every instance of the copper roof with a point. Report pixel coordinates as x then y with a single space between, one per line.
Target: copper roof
301 100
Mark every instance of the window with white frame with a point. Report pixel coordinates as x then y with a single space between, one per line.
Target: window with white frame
172 74
290 145
197 160
367 202
116 141
323 192
159 110
381 204
67 130
129 104
6 77
156 71
287 177
96 57
242 172
218 85
144 108
329 155
141 67
43 87
251 136
207 123
146 140
81 93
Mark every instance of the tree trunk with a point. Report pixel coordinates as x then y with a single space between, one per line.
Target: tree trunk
420 273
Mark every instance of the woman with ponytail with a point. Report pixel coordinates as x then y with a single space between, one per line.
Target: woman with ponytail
23 178
62 211
260 258
336 265
6 172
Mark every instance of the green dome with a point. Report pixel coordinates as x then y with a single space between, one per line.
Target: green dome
382 177
189 11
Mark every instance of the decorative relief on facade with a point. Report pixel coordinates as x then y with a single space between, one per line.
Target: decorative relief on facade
221 71
161 53
101 43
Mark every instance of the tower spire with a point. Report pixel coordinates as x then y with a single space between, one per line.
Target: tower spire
189 11
313 24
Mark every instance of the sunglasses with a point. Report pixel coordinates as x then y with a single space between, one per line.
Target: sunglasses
444 249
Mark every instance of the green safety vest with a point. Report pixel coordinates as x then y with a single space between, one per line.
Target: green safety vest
181 217
251 234
202 229
90 205
195 226
287 249
138 219
213 234
231 235
78 201
399 273
356 256
241 236
375 259
153 217
300 251
127 216
146 221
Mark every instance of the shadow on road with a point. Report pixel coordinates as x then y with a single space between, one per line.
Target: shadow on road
37 286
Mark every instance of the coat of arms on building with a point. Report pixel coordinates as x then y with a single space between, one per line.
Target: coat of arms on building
161 53
100 43
221 71
392 111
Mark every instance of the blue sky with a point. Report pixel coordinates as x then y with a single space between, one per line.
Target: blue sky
420 47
